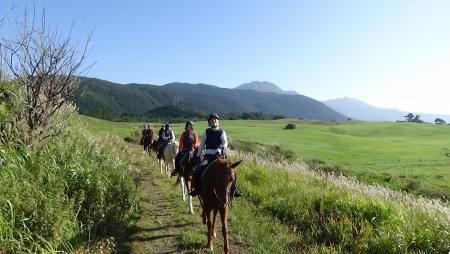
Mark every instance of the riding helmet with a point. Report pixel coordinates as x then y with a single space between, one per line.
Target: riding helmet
213 115
189 123
167 125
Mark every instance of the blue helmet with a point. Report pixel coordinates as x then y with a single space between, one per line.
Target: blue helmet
213 115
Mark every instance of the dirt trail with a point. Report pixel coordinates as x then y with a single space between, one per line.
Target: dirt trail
165 225
164 215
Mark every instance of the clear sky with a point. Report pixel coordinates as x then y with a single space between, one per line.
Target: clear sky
388 53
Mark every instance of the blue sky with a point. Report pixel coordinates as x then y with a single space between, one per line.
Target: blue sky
388 53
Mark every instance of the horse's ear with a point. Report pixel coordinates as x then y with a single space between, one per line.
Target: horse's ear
234 165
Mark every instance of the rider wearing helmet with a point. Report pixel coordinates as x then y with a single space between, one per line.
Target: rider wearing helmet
147 133
213 144
167 136
188 142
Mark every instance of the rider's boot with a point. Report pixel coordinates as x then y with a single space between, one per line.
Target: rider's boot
196 183
174 172
234 190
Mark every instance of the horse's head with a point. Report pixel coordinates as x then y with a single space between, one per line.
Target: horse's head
226 175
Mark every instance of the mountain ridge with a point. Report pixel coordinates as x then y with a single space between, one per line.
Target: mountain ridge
264 86
358 109
101 97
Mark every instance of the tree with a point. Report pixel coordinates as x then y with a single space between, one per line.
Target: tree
417 119
409 117
46 65
439 121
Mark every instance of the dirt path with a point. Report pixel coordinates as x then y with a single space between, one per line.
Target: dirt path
164 218
165 225
156 231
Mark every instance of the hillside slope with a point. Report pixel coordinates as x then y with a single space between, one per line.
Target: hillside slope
99 97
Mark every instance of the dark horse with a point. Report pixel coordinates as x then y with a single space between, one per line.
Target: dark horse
154 147
215 196
185 174
147 143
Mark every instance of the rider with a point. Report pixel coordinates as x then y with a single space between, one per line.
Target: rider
147 132
214 143
167 137
188 142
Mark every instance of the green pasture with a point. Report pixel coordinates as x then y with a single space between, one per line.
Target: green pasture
408 156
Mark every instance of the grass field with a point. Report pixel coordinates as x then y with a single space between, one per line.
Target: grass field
312 212
408 156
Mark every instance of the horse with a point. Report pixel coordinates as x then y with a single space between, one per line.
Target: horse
154 146
147 143
167 160
215 196
187 165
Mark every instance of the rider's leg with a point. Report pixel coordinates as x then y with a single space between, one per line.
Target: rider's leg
196 180
177 164
234 190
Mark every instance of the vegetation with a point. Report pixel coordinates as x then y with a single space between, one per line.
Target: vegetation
290 126
135 102
61 190
312 211
410 117
439 121
336 214
389 154
70 190
44 65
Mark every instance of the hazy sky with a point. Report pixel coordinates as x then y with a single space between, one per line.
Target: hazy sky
387 53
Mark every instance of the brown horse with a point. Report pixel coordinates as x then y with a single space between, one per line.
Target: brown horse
154 146
187 165
147 143
215 196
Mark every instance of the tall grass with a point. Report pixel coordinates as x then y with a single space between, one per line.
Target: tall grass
338 214
70 190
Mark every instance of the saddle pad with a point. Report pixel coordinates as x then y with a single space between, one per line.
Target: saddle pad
206 169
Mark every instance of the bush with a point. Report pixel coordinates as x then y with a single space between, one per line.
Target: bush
290 126
70 190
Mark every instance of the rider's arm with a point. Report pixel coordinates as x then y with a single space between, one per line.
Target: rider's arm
224 140
202 145
180 147
196 143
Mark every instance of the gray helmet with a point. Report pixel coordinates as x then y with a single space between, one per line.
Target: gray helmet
189 122
213 115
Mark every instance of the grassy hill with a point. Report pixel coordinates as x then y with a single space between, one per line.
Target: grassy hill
107 100
402 156
287 208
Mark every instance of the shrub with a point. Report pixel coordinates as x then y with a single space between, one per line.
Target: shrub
290 126
69 190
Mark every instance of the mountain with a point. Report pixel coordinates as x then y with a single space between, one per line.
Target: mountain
105 99
360 110
264 86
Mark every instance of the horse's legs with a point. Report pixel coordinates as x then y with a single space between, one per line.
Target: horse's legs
223 217
161 165
183 188
214 222
191 209
210 224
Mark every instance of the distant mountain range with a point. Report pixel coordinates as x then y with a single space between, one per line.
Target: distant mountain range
102 98
360 110
264 86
